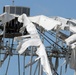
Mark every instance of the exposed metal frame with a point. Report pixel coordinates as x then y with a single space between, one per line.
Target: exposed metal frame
30 52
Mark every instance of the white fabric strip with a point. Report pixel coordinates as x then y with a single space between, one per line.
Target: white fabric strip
46 22
33 41
71 39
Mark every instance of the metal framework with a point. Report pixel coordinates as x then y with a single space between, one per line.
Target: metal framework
25 62
13 63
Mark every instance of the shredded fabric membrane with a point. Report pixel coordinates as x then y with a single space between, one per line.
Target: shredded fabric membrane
71 42
5 17
46 22
69 24
71 39
63 22
34 39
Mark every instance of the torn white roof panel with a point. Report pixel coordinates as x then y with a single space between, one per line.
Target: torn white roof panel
46 22
27 43
69 23
61 19
34 41
73 29
31 29
70 39
73 20
44 59
72 25
64 25
73 45
5 17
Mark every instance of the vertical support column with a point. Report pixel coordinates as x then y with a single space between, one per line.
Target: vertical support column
4 33
40 68
24 64
18 65
31 60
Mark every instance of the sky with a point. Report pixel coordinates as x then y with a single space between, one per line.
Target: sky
63 8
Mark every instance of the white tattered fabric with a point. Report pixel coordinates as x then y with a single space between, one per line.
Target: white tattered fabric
48 24
44 60
71 39
63 21
34 40
45 22
5 17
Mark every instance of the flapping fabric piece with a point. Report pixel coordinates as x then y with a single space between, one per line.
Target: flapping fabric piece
44 60
67 24
73 45
63 21
60 19
22 37
5 17
72 24
1 32
27 24
46 22
34 40
34 37
25 44
71 39
73 29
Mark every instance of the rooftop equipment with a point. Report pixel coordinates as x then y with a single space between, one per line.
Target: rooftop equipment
18 10
12 27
